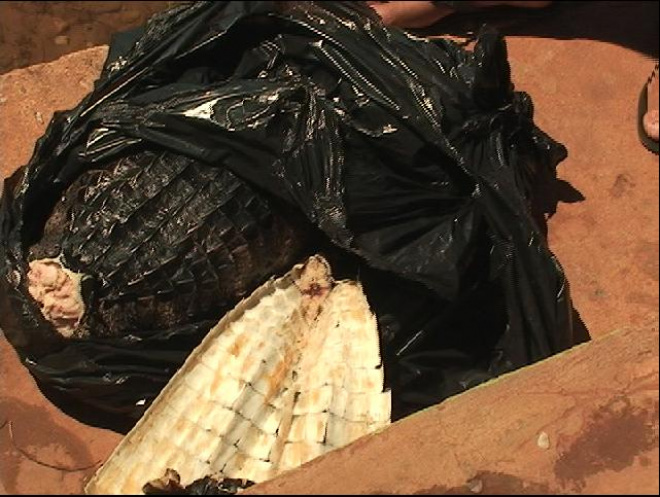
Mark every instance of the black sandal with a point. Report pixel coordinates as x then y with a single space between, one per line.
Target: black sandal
642 108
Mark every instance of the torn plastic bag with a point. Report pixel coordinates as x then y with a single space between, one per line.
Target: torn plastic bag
415 158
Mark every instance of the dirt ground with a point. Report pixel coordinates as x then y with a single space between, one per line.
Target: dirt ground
584 64
35 32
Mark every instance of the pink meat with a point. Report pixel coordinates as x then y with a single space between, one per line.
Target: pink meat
57 293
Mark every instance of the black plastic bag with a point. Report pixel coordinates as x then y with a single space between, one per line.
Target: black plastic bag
415 156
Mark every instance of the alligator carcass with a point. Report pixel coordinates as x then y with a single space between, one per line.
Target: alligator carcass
222 130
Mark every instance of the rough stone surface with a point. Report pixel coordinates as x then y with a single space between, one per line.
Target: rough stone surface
45 434
28 98
36 32
602 430
598 404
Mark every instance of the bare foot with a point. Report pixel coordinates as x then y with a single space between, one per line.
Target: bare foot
421 14
650 120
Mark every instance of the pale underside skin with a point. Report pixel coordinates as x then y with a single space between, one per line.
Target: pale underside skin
293 372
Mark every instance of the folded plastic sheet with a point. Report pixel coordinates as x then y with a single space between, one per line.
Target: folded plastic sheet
415 156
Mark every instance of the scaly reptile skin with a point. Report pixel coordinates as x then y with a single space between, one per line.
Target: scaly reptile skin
292 372
162 240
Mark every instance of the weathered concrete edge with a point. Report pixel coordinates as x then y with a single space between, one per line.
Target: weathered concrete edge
293 482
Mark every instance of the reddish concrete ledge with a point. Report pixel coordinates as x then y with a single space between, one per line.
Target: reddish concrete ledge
28 98
582 422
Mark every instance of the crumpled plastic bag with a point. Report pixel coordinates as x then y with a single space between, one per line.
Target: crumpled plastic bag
416 157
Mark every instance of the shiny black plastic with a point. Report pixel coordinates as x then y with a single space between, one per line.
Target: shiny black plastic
415 156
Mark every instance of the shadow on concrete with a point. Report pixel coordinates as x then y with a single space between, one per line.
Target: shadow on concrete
580 332
84 413
29 434
633 25
547 194
492 483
